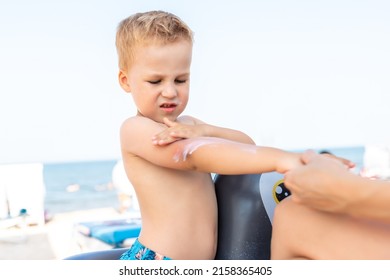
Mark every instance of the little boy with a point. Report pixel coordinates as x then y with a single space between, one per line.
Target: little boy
168 157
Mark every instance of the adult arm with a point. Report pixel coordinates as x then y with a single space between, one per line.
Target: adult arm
326 184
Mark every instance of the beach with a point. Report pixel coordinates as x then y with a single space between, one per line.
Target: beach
56 239
39 211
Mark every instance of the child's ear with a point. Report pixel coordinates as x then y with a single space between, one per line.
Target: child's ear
123 81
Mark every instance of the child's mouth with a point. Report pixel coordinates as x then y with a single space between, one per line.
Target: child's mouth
168 107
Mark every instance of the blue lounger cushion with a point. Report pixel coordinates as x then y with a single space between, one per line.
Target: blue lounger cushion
112 232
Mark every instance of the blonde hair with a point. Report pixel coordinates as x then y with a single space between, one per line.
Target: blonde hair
150 27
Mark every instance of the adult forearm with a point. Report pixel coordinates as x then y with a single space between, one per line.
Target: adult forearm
369 199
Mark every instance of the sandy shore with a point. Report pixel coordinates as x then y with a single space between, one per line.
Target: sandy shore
56 239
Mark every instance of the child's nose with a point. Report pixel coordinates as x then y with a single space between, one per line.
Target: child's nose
169 91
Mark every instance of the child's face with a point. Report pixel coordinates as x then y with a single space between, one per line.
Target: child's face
159 79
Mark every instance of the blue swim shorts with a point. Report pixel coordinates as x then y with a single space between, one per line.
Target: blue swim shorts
140 252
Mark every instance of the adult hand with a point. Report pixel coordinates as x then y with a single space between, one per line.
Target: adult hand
320 182
345 161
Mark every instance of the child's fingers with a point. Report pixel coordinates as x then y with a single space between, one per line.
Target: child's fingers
168 122
165 139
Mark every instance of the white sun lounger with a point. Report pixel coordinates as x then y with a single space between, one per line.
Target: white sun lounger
22 188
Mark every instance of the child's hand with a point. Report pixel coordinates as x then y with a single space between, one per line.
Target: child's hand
288 162
177 131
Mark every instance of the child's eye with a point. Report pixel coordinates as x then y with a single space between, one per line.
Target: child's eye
154 82
180 81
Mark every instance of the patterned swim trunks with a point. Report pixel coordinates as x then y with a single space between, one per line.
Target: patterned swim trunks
140 252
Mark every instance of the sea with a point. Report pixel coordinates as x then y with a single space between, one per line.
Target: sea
83 185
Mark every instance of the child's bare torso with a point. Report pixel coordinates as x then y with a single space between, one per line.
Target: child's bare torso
178 208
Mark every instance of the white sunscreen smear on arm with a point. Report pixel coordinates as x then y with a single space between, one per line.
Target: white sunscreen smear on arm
196 143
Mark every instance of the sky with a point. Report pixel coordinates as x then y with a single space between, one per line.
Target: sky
291 74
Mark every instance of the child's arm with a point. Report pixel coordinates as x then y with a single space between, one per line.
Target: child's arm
189 127
205 154
216 155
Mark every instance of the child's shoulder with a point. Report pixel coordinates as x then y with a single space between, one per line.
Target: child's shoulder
189 120
139 122
136 119
136 132
139 127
